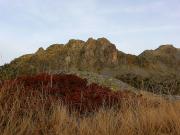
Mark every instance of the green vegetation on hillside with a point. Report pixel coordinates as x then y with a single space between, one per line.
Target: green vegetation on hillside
154 70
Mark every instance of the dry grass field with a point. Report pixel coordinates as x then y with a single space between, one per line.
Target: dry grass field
36 114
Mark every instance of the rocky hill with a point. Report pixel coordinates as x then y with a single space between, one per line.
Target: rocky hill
153 70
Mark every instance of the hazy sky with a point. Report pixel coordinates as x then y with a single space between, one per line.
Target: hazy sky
133 25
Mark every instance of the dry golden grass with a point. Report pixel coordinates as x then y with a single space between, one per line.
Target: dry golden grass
29 116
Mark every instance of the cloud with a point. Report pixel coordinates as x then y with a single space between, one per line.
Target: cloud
28 24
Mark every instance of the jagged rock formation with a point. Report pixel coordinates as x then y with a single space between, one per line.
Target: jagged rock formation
148 71
165 55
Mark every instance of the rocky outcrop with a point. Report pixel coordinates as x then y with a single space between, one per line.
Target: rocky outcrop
99 56
166 57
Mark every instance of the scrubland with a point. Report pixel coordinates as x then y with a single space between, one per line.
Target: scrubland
66 105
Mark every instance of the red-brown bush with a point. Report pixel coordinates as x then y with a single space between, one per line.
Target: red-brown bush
71 90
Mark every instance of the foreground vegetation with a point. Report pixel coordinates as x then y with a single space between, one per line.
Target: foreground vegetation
37 112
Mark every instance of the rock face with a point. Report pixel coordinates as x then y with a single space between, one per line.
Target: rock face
101 56
165 54
91 55
99 53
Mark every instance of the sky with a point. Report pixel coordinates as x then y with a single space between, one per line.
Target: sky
132 25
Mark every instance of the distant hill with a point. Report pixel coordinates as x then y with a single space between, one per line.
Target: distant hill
153 70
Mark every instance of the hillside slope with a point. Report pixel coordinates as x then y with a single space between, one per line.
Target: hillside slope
153 70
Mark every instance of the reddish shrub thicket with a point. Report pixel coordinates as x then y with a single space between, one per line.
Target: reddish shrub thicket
72 91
